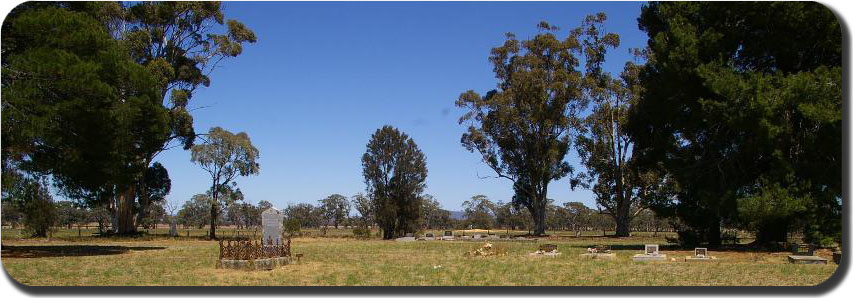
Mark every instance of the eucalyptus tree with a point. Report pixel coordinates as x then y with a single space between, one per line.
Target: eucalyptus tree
479 212
195 212
365 208
225 156
432 215
335 209
604 146
395 172
524 128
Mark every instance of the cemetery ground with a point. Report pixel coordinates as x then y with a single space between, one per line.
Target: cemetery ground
338 259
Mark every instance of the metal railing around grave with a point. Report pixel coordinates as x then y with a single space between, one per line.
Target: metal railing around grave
252 249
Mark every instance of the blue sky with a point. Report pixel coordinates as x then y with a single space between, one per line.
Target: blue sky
324 76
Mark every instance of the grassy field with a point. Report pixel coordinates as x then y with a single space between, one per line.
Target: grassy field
67 259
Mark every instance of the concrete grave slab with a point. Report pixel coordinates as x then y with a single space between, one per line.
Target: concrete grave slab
806 260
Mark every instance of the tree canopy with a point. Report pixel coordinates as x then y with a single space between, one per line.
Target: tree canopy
101 72
742 113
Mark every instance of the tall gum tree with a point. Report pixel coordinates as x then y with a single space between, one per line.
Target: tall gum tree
225 156
604 146
524 128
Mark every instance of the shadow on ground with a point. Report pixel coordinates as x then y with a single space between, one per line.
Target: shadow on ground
44 251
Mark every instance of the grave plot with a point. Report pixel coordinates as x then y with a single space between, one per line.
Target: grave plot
652 254
599 252
546 250
804 254
486 250
253 255
700 254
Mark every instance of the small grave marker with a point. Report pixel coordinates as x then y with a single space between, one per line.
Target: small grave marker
546 250
700 254
599 252
173 228
448 235
651 253
802 249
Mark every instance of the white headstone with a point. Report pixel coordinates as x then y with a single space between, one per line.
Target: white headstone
173 228
652 249
271 220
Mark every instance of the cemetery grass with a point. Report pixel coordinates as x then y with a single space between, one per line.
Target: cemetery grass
158 260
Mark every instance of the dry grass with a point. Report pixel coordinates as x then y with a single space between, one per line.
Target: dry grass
346 261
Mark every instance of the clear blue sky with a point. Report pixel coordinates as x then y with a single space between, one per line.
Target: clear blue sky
324 76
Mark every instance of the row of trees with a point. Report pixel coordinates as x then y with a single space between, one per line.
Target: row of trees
730 118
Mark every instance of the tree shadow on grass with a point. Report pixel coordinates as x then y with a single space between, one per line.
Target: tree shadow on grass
44 251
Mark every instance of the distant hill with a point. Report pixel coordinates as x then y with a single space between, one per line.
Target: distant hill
457 215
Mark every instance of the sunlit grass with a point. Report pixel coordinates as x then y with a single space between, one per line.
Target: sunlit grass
347 261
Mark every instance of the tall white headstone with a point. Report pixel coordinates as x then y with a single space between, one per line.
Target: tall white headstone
272 219
173 228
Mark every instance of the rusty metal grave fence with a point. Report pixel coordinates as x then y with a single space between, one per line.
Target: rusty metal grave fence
252 249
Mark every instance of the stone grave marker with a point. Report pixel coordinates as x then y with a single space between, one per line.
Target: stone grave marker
546 250
651 253
477 236
173 228
804 254
700 254
802 249
272 220
599 252
448 235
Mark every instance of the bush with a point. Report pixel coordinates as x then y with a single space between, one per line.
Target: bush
361 232
293 227
40 216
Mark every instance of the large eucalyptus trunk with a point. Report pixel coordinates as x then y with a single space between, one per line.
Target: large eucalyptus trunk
623 226
124 219
537 212
622 217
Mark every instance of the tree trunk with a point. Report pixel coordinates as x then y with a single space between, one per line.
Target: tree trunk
714 236
124 212
213 207
538 214
772 231
143 206
623 225
388 232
